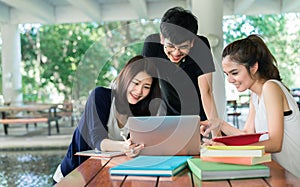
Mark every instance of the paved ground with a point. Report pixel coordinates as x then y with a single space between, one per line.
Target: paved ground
20 138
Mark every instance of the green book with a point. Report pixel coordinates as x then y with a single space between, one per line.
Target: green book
151 166
221 171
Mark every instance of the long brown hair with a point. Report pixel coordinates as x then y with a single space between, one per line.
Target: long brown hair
250 50
134 66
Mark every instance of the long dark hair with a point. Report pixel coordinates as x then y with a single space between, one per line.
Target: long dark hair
250 50
146 107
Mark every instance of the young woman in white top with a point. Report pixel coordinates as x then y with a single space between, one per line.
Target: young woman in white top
103 126
248 64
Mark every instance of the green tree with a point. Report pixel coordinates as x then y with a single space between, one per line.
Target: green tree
61 49
274 30
30 67
72 59
106 57
0 66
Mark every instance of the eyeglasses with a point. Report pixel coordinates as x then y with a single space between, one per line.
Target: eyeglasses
184 48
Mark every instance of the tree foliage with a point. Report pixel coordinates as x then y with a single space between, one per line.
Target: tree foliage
71 59
275 31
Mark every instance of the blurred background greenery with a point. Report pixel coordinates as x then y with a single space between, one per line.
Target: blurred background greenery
65 61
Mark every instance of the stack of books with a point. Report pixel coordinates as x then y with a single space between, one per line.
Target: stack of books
244 155
230 162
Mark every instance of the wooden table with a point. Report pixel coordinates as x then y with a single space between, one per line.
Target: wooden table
33 113
23 107
95 172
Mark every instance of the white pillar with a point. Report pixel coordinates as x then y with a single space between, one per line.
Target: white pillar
210 17
11 68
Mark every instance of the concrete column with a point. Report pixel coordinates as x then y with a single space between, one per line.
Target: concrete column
11 68
210 17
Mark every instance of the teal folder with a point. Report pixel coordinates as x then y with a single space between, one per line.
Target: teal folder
151 166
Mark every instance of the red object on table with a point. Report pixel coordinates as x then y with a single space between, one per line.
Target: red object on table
243 139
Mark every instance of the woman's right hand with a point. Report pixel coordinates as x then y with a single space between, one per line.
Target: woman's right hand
209 142
212 125
132 149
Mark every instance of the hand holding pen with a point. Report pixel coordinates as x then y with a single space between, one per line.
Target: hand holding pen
127 141
131 149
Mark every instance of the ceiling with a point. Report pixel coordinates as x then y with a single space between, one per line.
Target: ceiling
70 11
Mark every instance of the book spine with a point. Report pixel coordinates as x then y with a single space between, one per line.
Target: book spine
239 160
229 160
195 169
235 153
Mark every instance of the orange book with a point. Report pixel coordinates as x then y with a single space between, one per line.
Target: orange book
239 160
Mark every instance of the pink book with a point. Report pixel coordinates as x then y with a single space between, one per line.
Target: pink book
239 160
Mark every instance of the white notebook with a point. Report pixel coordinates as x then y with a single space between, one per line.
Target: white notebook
97 153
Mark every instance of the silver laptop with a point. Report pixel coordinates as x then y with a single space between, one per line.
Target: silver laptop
166 135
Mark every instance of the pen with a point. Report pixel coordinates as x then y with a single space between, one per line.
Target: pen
123 136
133 151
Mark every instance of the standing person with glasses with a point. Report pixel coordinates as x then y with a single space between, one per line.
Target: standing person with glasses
186 65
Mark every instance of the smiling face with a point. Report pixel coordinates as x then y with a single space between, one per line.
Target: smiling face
238 74
176 52
139 87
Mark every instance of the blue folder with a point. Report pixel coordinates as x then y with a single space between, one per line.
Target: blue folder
151 166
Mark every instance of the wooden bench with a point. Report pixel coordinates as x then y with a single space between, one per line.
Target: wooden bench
26 119
66 110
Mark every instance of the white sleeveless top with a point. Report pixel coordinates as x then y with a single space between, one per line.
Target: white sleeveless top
289 155
113 129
